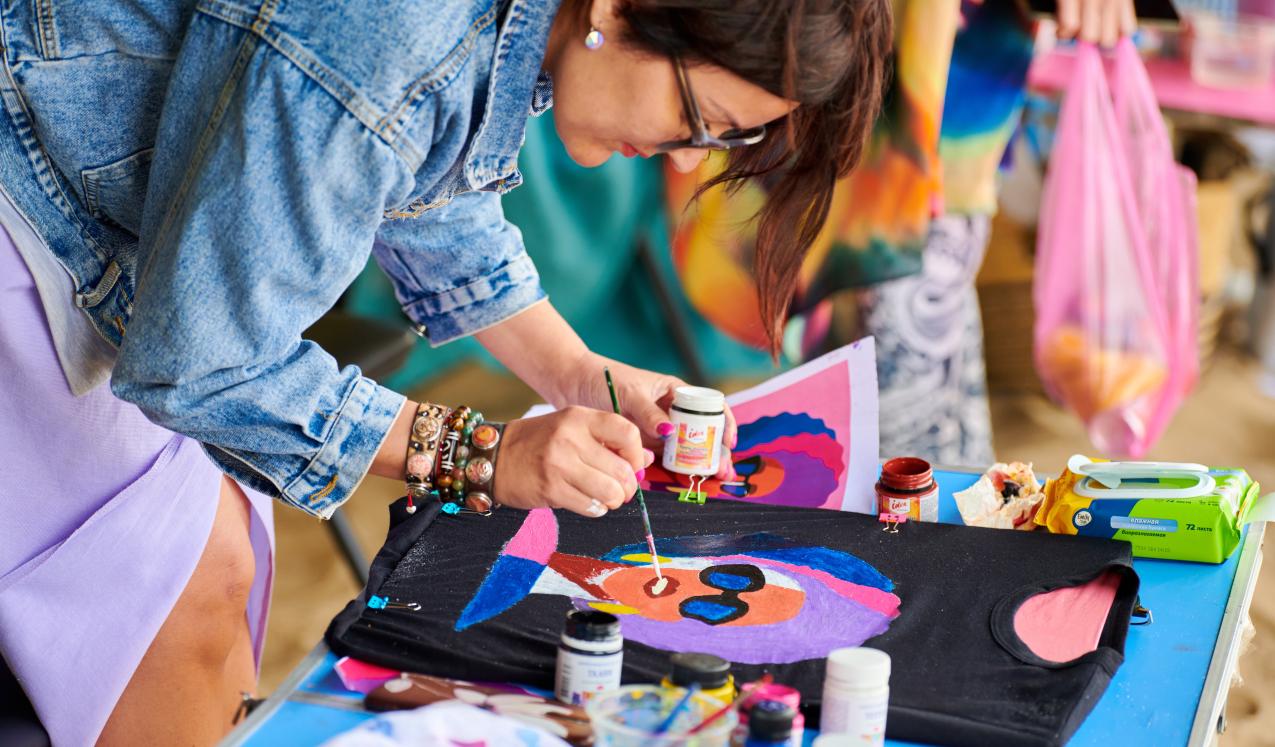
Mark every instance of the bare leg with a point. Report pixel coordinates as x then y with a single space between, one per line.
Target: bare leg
187 687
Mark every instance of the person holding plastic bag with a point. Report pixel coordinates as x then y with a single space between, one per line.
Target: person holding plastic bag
1115 289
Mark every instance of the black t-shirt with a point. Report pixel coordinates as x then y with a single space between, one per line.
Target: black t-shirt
770 589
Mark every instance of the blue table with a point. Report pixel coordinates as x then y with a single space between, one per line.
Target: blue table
1171 689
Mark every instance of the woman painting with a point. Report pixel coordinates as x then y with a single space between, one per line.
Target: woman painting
187 186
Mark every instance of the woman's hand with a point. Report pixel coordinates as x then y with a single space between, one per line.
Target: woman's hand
1099 21
580 459
645 398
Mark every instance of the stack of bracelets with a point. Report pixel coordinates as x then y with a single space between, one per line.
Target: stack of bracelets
452 454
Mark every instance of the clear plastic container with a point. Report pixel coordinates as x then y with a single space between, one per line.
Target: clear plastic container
1236 53
629 716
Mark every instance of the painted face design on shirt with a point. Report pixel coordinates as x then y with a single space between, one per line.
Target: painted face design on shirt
757 598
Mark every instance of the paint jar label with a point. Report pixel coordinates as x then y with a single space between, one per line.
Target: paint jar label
919 507
581 676
695 446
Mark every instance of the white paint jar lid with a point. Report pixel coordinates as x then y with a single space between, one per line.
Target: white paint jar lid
699 399
864 667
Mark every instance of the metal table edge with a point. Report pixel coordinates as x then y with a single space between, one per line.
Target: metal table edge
286 689
1226 651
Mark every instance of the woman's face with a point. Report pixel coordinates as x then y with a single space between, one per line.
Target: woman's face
615 99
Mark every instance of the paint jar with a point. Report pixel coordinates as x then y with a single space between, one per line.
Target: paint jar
695 445
590 656
711 672
789 696
770 724
633 715
907 488
856 694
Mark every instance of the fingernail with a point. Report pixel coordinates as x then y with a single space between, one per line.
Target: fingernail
650 456
664 429
640 474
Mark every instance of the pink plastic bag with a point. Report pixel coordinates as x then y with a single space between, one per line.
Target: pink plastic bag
1115 262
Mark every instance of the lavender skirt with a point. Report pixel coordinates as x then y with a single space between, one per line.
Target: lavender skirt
103 516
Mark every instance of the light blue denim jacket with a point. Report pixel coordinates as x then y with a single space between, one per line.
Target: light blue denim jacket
261 149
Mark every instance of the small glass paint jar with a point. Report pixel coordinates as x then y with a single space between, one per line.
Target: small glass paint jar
770 724
789 696
856 694
590 656
711 672
698 415
907 488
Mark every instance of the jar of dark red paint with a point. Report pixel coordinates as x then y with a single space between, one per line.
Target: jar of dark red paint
907 488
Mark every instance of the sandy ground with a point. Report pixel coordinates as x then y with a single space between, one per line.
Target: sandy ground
1226 422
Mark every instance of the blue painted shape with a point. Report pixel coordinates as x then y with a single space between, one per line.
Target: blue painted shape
509 580
767 429
707 610
836 563
704 545
728 581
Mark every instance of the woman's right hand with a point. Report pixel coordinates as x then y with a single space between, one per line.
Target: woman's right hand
580 459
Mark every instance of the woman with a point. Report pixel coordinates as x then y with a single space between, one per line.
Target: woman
208 177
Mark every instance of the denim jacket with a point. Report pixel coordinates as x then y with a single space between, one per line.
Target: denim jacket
213 174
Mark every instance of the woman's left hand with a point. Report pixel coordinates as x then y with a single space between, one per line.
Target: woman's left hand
645 398
1099 21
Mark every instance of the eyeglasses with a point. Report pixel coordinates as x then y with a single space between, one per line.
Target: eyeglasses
732 580
700 137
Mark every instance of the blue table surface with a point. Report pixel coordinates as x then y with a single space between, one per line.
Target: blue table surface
1151 700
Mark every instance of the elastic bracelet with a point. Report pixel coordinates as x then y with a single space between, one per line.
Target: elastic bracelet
480 472
422 451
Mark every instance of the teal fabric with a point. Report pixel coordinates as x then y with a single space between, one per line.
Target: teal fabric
581 227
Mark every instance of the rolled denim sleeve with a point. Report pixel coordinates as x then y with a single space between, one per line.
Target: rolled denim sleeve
256 220
459 268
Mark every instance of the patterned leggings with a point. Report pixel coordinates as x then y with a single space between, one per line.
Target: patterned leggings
929 339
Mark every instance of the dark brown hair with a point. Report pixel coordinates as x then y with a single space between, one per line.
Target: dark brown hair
831 56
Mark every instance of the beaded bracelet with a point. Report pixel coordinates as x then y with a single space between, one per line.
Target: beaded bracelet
422 451
451 477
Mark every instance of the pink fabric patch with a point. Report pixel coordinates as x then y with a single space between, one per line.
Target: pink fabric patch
1064 624
361 677
537 538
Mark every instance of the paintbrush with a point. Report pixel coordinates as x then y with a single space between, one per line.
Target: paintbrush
646 518
678 709
738 703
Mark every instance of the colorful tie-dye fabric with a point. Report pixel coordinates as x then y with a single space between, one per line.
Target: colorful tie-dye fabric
881 213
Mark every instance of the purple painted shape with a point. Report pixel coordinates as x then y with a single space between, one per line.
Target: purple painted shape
826 621
807 482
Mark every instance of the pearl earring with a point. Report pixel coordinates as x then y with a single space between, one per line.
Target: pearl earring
594 39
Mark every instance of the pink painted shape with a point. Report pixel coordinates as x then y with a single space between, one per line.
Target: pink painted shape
1174 88
874 599
1063 624
361 677
537 538
824 395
